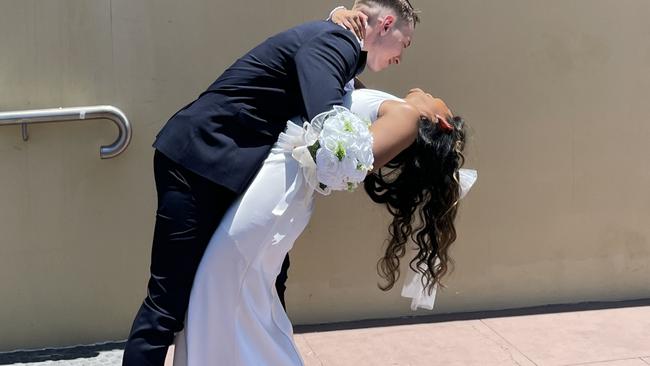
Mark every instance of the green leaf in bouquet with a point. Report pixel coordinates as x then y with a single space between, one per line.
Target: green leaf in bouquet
313 149
340 151
347 126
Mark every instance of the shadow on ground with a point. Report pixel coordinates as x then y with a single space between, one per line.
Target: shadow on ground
58 354
440 318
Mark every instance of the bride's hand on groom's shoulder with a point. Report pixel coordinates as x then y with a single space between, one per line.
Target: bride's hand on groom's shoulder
427 105
353 20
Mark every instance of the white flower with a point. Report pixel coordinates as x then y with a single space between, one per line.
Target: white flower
349 170
364 152
328 169
345 154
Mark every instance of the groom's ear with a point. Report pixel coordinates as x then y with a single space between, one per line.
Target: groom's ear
387 23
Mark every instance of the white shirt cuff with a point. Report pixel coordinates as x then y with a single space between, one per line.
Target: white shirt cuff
334 10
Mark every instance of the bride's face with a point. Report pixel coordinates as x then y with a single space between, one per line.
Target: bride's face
430 107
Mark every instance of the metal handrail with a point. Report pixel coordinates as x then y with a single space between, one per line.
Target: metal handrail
25 118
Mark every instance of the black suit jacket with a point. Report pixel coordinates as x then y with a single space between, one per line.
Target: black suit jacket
228 131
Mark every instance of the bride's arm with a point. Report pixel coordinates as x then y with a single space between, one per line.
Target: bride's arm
394 130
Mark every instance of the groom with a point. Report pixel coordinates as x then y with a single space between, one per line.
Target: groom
209 151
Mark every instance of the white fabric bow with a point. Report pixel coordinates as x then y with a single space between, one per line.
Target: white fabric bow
466 179
296 139
413 288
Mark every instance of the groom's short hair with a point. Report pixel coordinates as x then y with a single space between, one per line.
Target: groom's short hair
403 8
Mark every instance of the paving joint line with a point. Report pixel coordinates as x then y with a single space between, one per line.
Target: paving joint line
508 342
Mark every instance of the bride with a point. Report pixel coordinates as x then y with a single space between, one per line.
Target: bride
235 316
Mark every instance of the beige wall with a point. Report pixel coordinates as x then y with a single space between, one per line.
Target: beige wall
555 92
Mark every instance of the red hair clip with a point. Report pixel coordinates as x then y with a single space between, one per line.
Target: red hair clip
444 125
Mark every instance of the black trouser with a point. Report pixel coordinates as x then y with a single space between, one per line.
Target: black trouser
190 208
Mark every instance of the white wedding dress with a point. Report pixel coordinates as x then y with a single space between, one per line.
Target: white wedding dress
235 317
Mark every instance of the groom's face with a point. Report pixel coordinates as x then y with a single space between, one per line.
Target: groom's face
387 47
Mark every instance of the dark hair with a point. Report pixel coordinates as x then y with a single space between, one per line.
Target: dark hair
402 8
420 188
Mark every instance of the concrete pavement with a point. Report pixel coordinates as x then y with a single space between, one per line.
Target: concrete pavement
589 334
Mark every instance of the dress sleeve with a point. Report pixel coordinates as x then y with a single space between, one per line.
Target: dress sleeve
365 103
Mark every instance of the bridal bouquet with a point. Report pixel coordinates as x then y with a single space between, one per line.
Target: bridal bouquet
341 145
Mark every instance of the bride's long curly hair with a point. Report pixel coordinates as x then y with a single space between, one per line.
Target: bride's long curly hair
420 188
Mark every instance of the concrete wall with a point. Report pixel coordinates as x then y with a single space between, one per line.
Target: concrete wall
555 92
